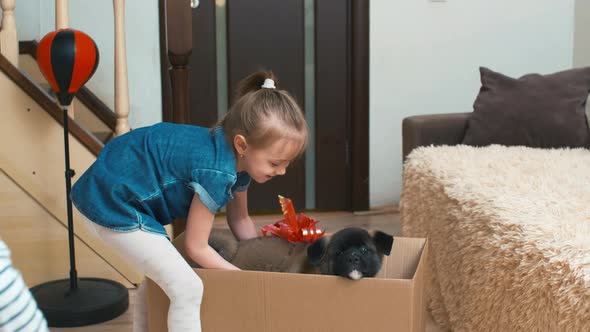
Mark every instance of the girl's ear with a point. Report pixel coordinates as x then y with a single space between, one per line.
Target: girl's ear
240 144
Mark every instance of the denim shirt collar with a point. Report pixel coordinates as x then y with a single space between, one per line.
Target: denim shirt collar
225 159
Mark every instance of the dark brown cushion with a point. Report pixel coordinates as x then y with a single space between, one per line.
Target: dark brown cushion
545 111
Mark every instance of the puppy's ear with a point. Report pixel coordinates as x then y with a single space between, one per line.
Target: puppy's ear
316 251
383 242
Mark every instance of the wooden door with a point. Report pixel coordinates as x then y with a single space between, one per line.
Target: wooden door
269 34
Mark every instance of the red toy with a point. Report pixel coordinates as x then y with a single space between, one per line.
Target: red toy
67 58
293 228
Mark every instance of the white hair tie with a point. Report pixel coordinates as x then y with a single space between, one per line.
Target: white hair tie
268 84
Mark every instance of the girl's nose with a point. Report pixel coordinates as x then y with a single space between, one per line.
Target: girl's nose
282 171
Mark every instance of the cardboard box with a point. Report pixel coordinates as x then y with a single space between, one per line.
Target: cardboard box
249 301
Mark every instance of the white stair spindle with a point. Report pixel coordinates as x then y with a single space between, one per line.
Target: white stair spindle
62 18
8 38
121 83
62 21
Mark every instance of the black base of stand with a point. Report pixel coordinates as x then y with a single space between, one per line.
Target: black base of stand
93 301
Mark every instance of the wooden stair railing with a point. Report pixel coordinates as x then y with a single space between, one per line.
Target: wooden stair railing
90 100
50 105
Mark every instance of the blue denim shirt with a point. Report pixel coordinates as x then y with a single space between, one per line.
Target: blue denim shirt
146 178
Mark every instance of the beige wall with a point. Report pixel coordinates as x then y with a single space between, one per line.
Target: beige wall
425 55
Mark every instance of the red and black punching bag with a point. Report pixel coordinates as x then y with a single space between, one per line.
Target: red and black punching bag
67 58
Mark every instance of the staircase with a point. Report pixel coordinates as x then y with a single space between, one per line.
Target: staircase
33 219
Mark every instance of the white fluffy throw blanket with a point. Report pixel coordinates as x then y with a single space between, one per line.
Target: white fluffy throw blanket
509 231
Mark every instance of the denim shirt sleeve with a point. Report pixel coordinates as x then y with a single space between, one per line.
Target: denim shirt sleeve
213 187
242 183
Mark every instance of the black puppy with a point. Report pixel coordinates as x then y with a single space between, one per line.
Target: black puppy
352 253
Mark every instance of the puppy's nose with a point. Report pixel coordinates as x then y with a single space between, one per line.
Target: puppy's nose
354 259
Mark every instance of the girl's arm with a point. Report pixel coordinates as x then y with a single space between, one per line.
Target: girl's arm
198 227
238 219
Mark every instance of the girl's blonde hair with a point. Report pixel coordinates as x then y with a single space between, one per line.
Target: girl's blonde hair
264 115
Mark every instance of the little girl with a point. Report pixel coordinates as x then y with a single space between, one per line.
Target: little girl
148 177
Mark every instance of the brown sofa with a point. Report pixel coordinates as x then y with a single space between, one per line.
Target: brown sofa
433 129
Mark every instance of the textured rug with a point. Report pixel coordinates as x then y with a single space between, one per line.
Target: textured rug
509 232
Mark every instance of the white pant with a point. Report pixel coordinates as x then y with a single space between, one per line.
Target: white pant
156 258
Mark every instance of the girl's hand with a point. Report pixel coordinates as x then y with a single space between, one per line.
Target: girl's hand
198 227
238 219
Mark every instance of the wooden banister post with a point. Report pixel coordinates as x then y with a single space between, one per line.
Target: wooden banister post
121 82
8 38
180 23
179 31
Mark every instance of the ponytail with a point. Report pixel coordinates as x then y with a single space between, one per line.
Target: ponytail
263 114
253 83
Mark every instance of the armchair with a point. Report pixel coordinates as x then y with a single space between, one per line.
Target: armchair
435 129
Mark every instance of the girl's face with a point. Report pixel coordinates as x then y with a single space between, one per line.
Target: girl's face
263 164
